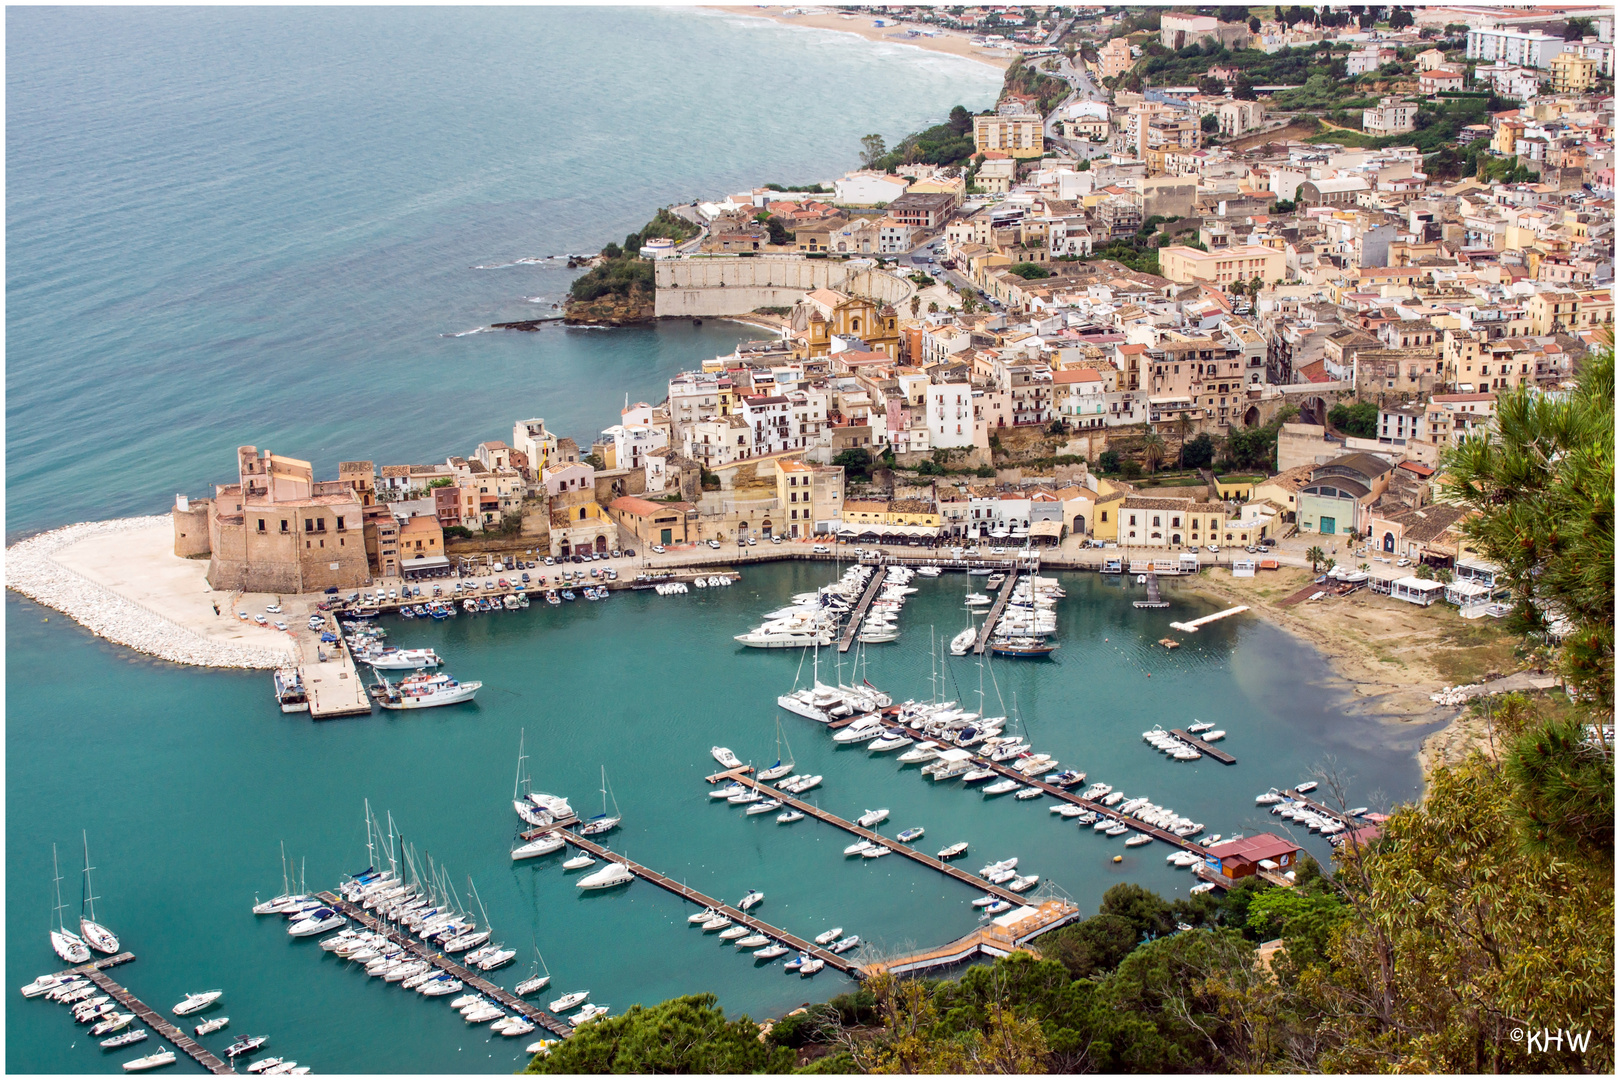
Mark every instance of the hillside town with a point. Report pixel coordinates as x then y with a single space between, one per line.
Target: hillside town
1136 316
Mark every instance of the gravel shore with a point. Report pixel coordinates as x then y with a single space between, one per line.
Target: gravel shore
33 571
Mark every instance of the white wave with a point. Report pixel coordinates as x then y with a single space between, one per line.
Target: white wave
476 330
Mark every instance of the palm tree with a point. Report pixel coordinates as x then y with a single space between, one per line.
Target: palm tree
1317 557
1153 450
1183 422
916 305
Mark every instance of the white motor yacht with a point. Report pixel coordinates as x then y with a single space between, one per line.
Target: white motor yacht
150 1061
829 936
611 875
197 1002
589 1012
872 817
725 757
579 862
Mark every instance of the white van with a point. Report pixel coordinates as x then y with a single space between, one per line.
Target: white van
822 549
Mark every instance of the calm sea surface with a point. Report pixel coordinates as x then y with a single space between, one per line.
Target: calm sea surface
230 226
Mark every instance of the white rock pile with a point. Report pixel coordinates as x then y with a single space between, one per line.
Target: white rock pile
1455 695
31 571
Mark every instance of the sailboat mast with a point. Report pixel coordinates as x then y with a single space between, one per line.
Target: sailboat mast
371 851
517 782
56 868
89 898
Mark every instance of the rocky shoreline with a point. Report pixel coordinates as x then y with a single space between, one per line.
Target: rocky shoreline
33 572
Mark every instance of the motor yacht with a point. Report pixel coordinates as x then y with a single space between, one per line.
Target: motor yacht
953 851
197 1002
717 921
1028 793
924 751
888 742
568 1001
725 757
875 851
975 776
208 1027
498 958
857 847
753 898
245 1045
543 844
589 1012
908 836
318 921
702 916
579 862
726 791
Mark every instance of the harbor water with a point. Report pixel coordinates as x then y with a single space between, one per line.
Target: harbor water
189 781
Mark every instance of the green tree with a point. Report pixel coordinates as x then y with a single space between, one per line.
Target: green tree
1210 124
1400 19
682 1035
1198 452
1146 911
857 462
777 232
1029 271
1542 486
1359 419
1316 556
872 150
1254 26
1153 451
961 120
1108 461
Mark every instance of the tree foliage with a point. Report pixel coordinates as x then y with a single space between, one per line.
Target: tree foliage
1359 419
682 1035
1542 488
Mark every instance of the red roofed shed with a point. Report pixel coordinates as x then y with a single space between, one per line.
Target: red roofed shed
1241 858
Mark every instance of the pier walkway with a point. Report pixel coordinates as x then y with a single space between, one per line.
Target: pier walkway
855 616
1154 598
1336 815
145 1013
996 609
1002 937
742 918
1203 747
867 834
533 1013
1191 627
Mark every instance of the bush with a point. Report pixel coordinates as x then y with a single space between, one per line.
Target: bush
1198 451
984 472
457 532
1108 461
1030 271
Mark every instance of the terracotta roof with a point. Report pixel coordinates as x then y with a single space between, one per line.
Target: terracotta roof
1254 848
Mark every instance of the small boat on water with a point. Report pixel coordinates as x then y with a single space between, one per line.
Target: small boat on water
208 1027
128 1038
753 941
1028 793
1309 785
568 1001
1021 884
245 1045
588 1013
150 1061
961 643
843 945
544 844
872 817
858 847
265 1064
66 944
953 851
1138 840
725 757
797 962
908 836
1001 787
789 817
734 932
874 851
753 898
111 1023
717 921
810 967
830 936
771 952
197 1002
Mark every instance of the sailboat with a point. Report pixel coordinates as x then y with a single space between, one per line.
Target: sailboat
536 982
602 822
781 768
525 807
274 904
99 937
68 945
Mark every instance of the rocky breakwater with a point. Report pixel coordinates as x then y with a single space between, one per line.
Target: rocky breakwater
32 571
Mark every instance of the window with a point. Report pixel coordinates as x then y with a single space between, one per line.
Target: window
261 524
340 523
309 524
283 524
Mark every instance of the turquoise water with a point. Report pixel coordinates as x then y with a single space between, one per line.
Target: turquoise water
188 782
240 225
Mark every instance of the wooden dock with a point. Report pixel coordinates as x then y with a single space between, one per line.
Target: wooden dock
855 616
149 1016
1154 598
1192 627
993 940
736 915
1336 815
996 609
531 1012
1203 747
867 834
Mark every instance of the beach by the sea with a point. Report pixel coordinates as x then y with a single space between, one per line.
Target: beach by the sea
937 40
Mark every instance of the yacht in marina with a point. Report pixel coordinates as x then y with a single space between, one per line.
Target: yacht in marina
544 844
588 1013
568 1001
197 1002
725 757
150 1061
128 1038
423 691
539 977
318 921
792 633
829 936
603 822
872 817
245 1045
396 659
771 952
781 768
579 862
611 875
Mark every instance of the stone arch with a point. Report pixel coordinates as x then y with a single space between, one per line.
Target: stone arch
1079 525
1251 418
601 543
1313 410
765 526
1389 542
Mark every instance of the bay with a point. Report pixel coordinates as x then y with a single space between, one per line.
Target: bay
188 782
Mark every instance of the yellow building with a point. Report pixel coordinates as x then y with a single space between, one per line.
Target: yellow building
1020 136
1105 522
795 492
1185 265
954 186
1555 308
1115 58
1573 73
823 313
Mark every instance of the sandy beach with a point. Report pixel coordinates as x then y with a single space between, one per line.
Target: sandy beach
943 41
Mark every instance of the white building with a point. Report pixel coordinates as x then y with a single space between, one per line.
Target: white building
869 189
696 395
717 442
629 443
1392 116
950 414
574 476
1513 47
536 443
1079 398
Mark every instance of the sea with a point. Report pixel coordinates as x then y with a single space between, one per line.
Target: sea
290 227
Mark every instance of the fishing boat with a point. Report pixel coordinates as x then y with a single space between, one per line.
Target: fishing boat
725 757
953 851
208 1027
423 691
128 1038
610 876
603 822
197 1002
289 690
66 944
908 836
753 898
150 1061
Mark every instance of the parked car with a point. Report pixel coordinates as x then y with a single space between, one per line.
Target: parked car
659 548
578 559
550 561
629 553
715 544
617 553
1213 550
272 609
776 539
752 541
1404 562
